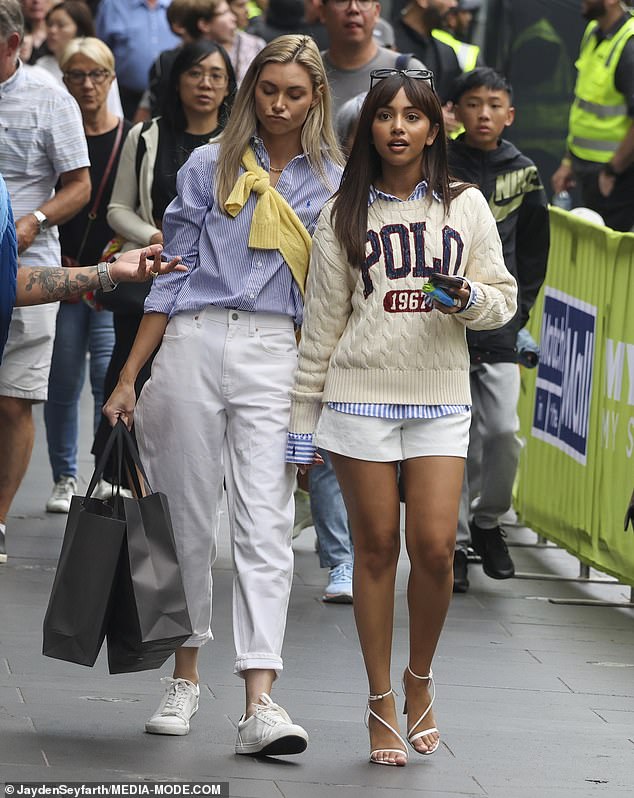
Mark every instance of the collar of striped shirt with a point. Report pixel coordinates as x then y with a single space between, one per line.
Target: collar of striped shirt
263 155
418 193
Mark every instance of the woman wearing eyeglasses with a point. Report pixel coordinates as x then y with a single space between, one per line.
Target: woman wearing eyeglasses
383 378
88 71
217 404
65 21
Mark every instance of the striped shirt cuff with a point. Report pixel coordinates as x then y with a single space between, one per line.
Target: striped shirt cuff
472 297
300 448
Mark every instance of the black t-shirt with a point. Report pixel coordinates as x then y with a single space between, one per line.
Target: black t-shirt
436 55
72 232
174 148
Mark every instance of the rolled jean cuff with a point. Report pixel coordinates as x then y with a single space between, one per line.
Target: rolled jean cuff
196 641
260 662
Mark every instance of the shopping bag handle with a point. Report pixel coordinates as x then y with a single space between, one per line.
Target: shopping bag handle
103 460
132 450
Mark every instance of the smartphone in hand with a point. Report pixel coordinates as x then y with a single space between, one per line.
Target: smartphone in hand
443 288
450 285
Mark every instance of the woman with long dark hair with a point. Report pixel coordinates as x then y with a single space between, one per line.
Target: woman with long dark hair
383 377
202 86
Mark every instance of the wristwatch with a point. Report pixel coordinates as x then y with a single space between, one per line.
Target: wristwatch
42 220
106 283
608 168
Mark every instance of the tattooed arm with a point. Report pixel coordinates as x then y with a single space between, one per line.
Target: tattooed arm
36 285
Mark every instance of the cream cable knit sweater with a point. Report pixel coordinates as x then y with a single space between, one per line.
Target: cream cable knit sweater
364 337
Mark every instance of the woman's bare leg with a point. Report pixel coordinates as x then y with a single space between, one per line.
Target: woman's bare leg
432 494
370 492
186 664
256 681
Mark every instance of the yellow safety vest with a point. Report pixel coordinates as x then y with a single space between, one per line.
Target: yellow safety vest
599 118
467 54
253 9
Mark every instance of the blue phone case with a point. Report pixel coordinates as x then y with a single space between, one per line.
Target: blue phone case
439 295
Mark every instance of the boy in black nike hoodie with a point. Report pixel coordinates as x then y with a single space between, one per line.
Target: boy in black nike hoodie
511 184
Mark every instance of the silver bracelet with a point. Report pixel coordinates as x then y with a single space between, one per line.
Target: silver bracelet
106 282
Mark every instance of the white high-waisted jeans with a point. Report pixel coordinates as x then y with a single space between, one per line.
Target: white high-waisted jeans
217 406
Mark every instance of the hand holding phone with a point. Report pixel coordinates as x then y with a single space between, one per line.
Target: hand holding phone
444 289
433 292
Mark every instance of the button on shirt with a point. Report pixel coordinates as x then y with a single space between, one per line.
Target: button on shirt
223 270
136 34
41 137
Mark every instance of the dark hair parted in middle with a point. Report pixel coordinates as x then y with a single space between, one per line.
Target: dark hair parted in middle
350 208
481 77
190 55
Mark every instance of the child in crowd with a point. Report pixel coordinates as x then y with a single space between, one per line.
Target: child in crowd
383 376
512 186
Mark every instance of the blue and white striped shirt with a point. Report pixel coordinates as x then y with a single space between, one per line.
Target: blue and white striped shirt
223 270
300 447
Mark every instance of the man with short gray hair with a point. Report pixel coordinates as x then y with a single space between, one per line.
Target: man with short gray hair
42 142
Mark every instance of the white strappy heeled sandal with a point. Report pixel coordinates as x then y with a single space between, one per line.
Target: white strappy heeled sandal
412 734
371 713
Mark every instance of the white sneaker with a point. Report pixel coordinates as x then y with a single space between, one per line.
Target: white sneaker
63 491
269 731
3 543
177 707
105 490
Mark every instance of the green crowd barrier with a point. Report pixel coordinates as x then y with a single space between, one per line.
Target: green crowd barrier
576 408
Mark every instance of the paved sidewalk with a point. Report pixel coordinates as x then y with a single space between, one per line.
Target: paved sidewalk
533 699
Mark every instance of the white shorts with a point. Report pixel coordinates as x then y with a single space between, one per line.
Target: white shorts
26 361
386 440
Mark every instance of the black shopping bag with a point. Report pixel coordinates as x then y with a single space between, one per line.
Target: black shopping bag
149 618
77 614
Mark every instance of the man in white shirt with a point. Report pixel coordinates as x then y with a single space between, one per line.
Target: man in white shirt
42 142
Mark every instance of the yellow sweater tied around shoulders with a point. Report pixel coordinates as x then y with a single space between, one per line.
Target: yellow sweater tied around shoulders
275 225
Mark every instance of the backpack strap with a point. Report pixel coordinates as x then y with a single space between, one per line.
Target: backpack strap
403 60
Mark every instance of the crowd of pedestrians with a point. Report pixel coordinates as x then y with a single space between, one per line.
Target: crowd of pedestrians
251 142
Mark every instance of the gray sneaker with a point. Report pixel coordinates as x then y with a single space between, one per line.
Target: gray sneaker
178 706
3 544
59 501
269 731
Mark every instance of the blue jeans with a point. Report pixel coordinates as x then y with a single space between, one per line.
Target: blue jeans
329 515
80 330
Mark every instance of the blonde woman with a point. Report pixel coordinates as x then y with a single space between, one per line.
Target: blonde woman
66 21
217 404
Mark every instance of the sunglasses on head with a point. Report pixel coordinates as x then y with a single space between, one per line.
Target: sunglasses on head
416 74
